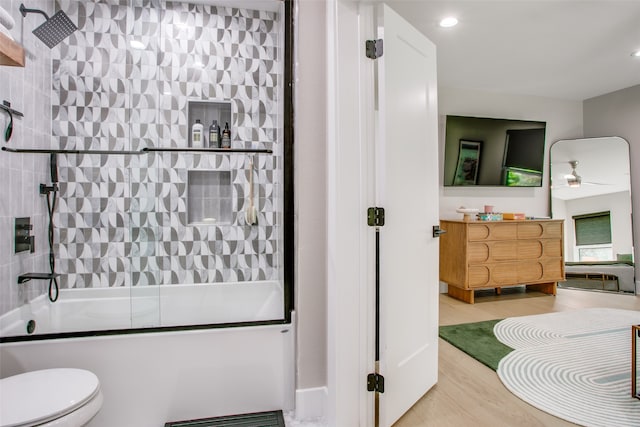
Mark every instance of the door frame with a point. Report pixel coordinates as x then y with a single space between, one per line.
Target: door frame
350 190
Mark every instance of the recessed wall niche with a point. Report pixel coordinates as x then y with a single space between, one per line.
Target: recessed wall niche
209 197
207 112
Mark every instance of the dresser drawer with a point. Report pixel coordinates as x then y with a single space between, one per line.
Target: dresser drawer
553 269
516 272
542 248
480 252
539 230
530 271
492 231
490 275
511 250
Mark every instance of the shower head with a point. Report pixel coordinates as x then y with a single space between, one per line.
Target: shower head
54 29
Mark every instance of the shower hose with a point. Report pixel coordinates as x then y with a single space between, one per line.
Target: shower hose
52 195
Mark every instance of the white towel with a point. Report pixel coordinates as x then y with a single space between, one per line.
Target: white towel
4 31
5 19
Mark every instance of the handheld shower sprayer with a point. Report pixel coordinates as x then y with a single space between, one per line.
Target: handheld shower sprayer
53 166
51 193
54 29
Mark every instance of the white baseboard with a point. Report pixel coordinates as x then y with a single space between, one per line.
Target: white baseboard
444 288
311 403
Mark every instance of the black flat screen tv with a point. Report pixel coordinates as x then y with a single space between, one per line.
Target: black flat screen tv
481 151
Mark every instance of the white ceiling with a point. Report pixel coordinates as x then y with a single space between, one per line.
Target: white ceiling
564 49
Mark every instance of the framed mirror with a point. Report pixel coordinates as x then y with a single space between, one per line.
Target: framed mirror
591 191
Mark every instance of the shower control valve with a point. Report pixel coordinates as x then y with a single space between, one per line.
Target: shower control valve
23 240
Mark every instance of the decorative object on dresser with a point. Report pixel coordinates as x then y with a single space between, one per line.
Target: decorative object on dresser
496 216
468 214
513 215
495 254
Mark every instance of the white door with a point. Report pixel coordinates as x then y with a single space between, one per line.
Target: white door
406 173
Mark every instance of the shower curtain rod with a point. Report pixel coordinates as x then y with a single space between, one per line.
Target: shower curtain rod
139 152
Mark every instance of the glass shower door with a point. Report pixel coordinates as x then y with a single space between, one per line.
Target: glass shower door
143 19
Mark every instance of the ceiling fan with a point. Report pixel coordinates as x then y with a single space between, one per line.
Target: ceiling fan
574 180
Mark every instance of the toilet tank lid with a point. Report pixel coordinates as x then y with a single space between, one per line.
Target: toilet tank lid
38 396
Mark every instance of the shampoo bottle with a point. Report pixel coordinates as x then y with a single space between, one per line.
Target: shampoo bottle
214 135
226 136
197 135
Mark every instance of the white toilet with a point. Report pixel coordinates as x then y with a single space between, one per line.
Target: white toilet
50 398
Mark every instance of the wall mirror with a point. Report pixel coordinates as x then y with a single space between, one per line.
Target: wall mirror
591 191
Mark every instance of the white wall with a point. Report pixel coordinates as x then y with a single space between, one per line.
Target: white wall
564 121
616 114
311 195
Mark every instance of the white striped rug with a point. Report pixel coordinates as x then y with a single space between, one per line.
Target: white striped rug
575 365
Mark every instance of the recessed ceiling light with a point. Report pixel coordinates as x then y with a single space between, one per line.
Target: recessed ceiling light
449 21
636 53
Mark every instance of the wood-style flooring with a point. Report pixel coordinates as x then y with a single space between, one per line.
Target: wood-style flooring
470 394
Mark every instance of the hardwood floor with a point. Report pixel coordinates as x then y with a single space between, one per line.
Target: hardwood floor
470 394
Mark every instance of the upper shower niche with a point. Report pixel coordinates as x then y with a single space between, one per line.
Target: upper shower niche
207 112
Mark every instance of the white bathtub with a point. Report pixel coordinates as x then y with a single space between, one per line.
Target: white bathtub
96 309
153 377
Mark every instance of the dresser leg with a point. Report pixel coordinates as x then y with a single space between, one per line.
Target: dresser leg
461 294
498 291
546 288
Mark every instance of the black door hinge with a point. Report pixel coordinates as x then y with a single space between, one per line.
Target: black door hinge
375 217
374 49
375 382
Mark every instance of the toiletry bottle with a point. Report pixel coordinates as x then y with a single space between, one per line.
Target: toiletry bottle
197 135
226 136
214 135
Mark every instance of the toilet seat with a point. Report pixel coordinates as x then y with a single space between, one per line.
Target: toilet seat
38 397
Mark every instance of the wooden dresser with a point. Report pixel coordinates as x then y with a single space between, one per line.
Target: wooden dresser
495 254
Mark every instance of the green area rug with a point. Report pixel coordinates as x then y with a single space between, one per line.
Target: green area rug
477 340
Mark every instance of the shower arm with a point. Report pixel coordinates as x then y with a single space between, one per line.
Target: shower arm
24 11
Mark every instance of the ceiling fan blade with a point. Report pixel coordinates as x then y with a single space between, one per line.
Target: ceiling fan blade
594 183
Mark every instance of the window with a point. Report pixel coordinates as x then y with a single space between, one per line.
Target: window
593 236
593 229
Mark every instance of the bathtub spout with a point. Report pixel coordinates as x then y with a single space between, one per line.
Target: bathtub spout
24 278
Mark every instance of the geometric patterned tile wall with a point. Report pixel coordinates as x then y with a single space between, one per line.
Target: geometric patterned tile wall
122 220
